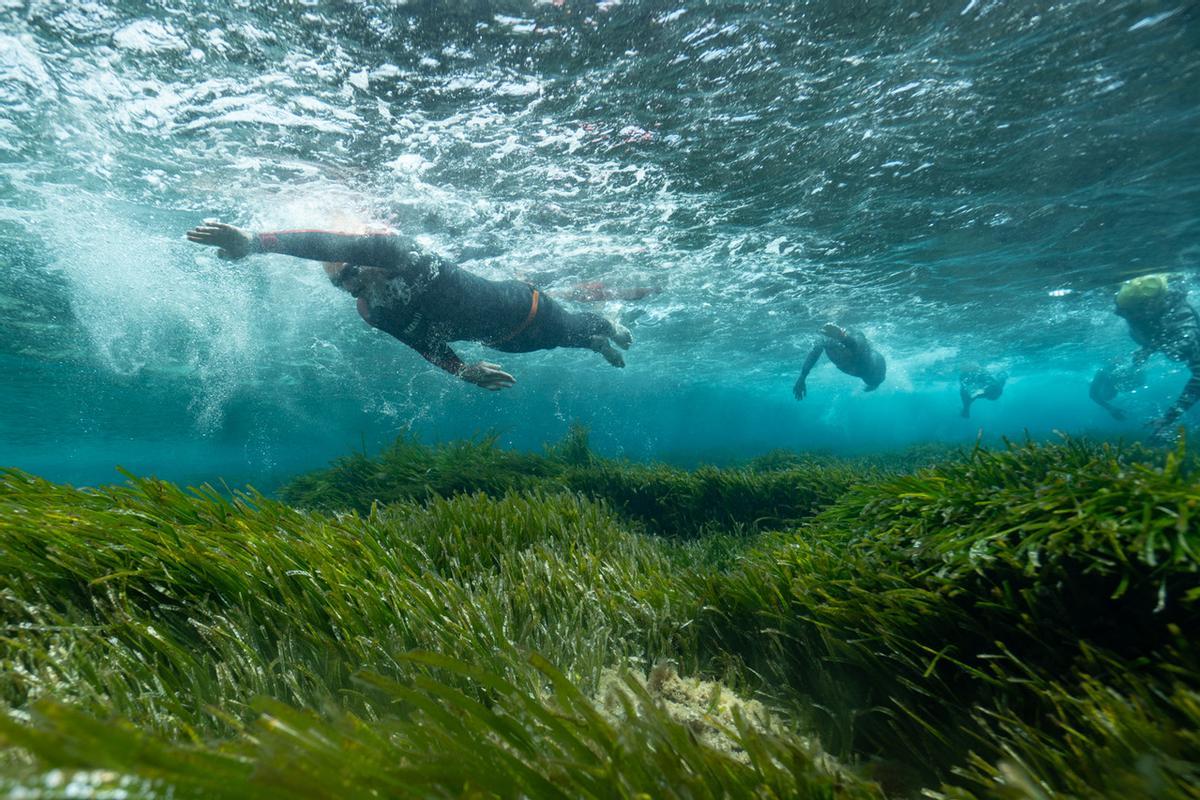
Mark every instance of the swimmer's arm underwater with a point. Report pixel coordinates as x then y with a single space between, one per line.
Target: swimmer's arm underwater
1101 391
481 373
1187 399
801 389
368 250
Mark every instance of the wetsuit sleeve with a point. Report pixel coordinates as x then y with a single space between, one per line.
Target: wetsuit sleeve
368 250
440 354
1185 326
1102 389
811 360
1190 393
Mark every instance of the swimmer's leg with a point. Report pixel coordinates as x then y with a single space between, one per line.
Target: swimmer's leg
555 326
599 334
621 336
602 346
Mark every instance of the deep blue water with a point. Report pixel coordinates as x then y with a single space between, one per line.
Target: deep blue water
965 181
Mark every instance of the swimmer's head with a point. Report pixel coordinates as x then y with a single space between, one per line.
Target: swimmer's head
1141 295
354 278
348 277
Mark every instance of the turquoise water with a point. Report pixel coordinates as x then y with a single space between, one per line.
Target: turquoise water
964 181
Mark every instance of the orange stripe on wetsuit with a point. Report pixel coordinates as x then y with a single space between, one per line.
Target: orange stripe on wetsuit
515 332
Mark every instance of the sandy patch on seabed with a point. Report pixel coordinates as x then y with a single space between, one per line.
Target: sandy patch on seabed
706 707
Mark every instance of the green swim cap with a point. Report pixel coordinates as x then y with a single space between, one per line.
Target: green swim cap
1141 292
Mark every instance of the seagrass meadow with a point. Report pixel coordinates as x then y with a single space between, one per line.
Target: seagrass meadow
465 621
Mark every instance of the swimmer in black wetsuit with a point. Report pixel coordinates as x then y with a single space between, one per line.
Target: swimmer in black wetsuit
976 383
850 352
428 302
1161 320
1109 381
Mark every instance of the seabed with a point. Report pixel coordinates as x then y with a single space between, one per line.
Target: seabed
465 621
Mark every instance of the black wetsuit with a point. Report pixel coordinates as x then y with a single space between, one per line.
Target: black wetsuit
1173 330
427 302
976 384
1109 381
852 355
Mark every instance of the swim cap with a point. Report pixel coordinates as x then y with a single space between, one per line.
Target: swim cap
1141 292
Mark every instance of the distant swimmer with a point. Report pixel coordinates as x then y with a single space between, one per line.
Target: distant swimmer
427 302
1111 380
976 383
599 292
1161 320
850 352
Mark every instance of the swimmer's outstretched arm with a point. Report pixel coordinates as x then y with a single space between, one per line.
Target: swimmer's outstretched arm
801 388
367 250
1187 398
481 373
1116 413
1103 389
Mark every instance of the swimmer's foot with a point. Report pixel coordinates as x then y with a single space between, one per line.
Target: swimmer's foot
621 336
602 346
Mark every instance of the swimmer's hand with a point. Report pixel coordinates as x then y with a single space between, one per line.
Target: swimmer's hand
1117 414
232 243
800 389
487 375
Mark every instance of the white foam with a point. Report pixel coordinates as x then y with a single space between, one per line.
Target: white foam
149 36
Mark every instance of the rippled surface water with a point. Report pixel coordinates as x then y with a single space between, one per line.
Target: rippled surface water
963 180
